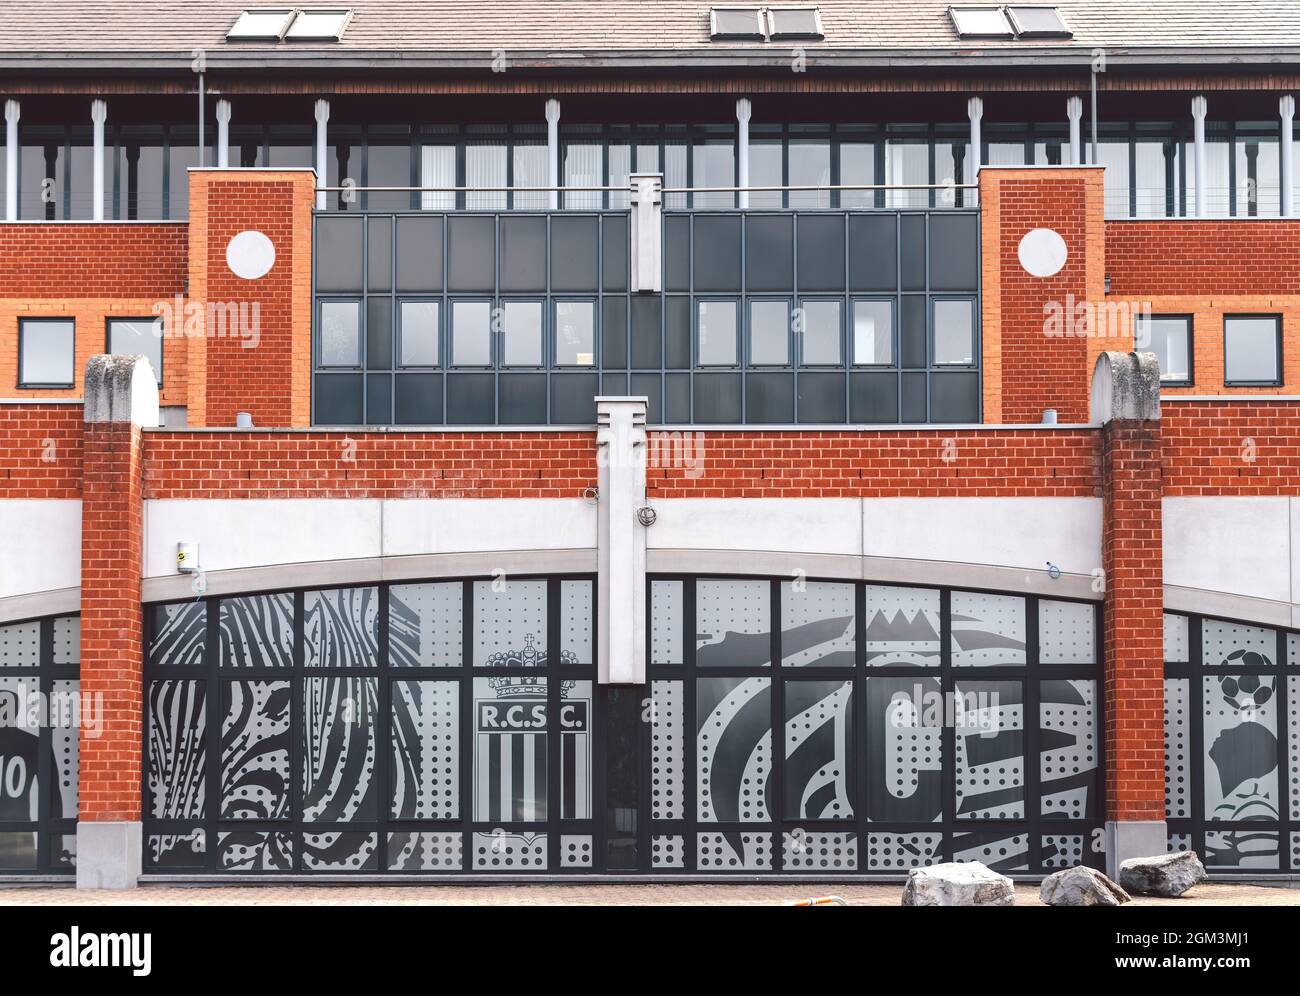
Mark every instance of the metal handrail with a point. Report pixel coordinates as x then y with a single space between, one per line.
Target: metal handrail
667 190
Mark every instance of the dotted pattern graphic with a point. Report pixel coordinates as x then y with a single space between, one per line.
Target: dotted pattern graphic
64 745
67 640
902 626
912 746
1293 735
802 851
409 851
435 615
900 851
575 850
1220 640
256 631
667 752
1067 632
426 749
259 850
822 608
1179 842
668 851
1177 644
758 765
1007 853
576 621
1177 749
509 622
715 851
20 645
733 606
338 850
994 776
1062 850
1229 702
1080 722
501 850
666 616
987 630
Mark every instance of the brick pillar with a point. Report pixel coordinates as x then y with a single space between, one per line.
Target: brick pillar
1126 401
250 270
1037 353
121 395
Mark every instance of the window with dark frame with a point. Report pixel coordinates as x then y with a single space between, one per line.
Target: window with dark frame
138 336
1170 338
47 351
1252 350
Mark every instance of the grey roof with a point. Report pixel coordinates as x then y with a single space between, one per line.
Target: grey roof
65 32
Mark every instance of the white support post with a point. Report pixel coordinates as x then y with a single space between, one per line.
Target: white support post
12 112
322 146
553 151
1074 111
1286 107
1199 108
974 111
223 134
622 520
647 231
98 115
743 111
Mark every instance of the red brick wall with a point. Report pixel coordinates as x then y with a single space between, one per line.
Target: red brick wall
121 260
1132 624
1231 447
181 464
112 621
40 451
1203 256
266 375
1025 369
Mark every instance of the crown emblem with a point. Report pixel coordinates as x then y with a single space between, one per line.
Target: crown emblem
530 656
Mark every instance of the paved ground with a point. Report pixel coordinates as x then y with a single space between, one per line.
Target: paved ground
565 895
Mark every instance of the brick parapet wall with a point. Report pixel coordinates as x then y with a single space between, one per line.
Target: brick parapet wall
40 450
1217 448
1133 631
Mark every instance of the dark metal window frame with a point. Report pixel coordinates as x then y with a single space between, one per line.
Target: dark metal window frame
1189 324
214 677
1276 318
1030 675
110 320
45 826
26 321
1194 671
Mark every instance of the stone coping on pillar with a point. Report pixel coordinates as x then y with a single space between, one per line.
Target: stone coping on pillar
1125 386
121 389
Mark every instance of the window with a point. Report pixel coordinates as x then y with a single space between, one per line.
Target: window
319 25
717 333
769 333
793 23
954 333
521 334
736 23
260 25
575 334
340 334
1170 338
47 352
873 333
471 334
418 328
138 337
980 22
1038 22
1252 349
820 324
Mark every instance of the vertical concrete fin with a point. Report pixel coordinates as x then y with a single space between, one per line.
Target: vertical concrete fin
621 539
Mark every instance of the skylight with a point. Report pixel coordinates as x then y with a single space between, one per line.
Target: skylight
794 22
981 22
319 25
736 24
1038 22
261 25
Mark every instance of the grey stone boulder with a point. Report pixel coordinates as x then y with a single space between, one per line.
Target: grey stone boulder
1081 886
964 883
1162 875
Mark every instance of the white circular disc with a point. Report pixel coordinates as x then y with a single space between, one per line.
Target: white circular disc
250 255
1042 252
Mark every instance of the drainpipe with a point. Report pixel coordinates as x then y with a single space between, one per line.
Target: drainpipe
743 111
223 134
98 115
322 146
1286 106
553 151
12 112
1074 111
1199 107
